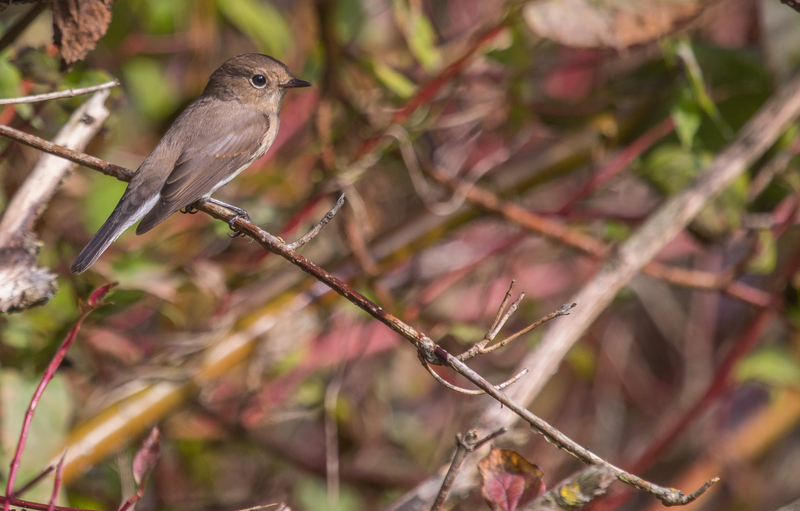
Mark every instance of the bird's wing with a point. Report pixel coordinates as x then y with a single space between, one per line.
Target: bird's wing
215 155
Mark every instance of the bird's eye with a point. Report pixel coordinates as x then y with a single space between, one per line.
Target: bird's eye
259 81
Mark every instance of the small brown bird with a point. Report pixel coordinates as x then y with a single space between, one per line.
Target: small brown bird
231 125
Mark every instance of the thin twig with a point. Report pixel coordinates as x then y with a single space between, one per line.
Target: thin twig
317 228
468 392
69 93
332 435
33 482
57 483
464 446
21 25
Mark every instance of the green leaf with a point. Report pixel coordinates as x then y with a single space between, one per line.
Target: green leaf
670 167
393 80
773 366
100 200
311 495
422 43
349 18
148 86
765 256
683 49
261 22
687 116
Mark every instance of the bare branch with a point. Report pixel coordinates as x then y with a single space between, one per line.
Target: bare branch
317 228
69 93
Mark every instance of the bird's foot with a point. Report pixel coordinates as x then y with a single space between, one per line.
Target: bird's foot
189 210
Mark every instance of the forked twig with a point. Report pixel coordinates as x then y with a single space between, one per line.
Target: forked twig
479 348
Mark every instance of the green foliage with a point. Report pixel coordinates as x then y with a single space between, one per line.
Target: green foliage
10 81
149 88
312 495
99 201
420 35
671 168
39 328
393 80
682 49
350 17
261 22
766 254
772 366
687 116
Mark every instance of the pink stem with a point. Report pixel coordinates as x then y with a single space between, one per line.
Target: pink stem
95 300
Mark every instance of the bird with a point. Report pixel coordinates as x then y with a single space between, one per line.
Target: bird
222 132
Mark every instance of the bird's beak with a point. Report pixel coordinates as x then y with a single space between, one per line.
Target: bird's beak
295 83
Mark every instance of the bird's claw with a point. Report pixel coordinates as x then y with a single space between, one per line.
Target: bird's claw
236 232
189 210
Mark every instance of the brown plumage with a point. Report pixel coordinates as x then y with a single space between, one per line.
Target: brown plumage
232 124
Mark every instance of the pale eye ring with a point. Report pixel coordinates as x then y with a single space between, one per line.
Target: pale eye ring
258 81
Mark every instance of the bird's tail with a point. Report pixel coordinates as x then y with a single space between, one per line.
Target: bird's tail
127 213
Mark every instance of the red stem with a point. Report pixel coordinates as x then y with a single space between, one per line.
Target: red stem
621 161
57 484
429 90
95 300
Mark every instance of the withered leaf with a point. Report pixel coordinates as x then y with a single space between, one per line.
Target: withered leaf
78 25
509 480
146 457
618 24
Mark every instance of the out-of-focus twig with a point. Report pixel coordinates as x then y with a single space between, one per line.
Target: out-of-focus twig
21 24
69 93
574 238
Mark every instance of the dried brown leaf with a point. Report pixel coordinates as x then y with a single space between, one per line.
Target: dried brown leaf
619 24
509 480
78 25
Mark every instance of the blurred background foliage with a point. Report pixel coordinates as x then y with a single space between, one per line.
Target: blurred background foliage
251 370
